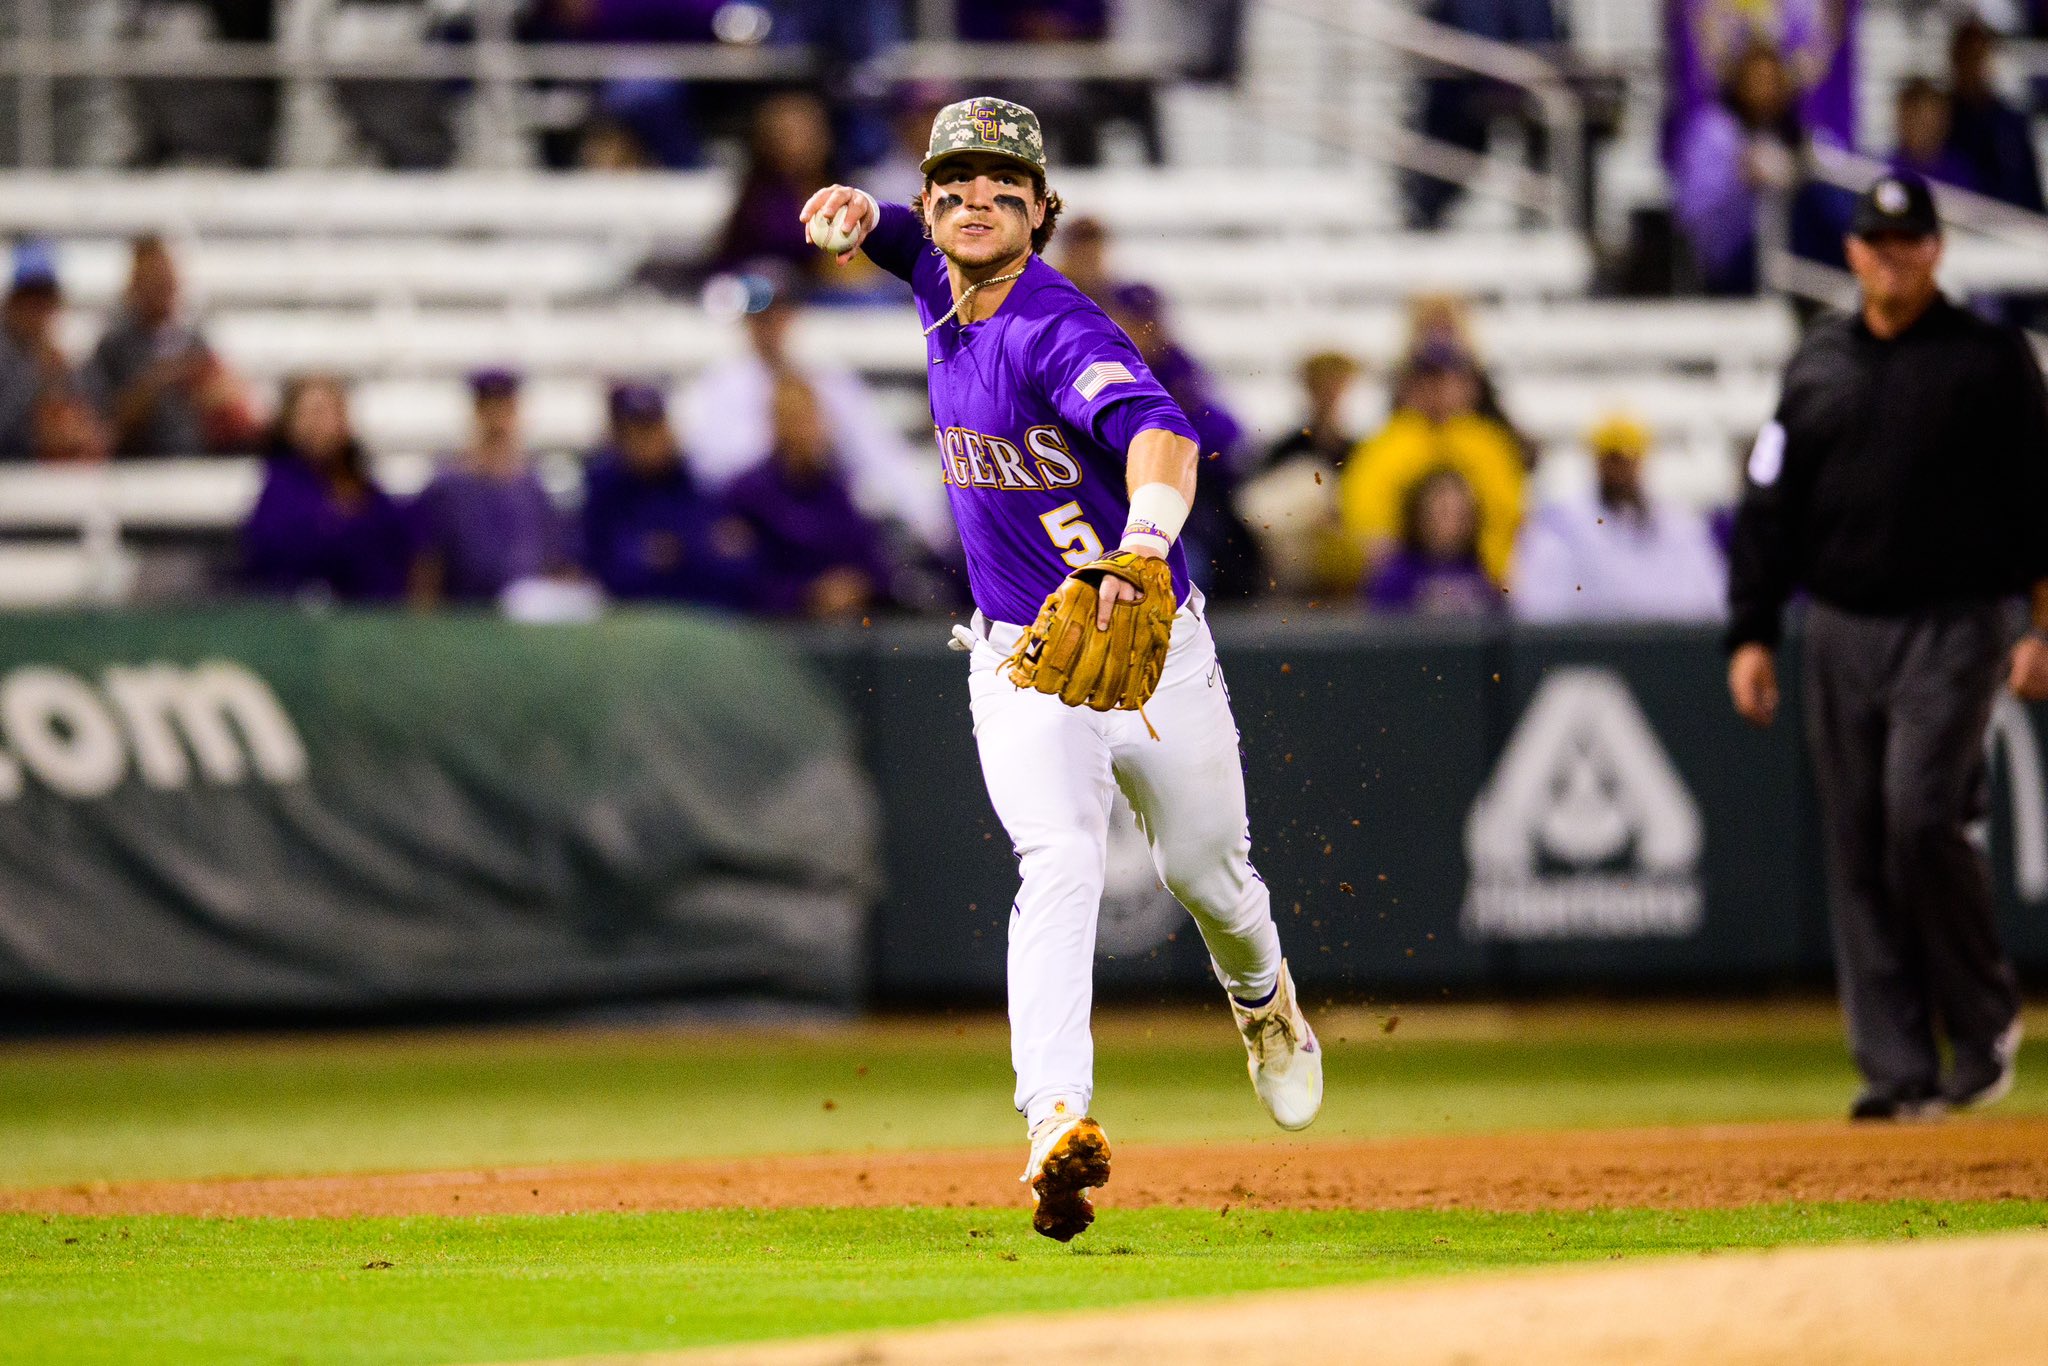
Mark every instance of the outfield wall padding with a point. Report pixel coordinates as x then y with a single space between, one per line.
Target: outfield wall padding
270 809
267 808
1435 807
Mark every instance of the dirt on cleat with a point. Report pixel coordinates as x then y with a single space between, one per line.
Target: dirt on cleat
1078 1161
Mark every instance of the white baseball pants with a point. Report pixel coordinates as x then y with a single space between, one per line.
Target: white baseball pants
1049 769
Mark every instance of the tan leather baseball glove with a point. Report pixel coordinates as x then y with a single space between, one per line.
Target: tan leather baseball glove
1118 669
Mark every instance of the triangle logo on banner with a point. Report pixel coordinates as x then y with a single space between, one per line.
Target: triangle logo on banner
1586 829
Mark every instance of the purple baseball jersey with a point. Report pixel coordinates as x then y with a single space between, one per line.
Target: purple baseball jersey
1034 410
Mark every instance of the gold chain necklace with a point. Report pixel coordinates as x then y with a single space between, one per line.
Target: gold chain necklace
969 294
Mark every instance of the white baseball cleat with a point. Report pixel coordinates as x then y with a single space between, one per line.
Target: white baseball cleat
1068 1155
1285 1062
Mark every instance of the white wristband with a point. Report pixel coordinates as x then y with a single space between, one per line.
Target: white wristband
1157 514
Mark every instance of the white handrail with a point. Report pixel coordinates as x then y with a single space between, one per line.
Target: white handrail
1559 107
36 58
1420 37
1958 207
125 59
433 62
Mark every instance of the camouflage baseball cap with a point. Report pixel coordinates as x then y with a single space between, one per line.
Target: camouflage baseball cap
986 124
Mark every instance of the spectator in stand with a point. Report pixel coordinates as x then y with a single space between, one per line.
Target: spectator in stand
646 120
2034 24
1084 258
68 431
1437 425
1444 320
1817 39
1141 312
1991 137
1746 143
789 156
227 123
650 531
817 555
1922 120
1222 555
1212 40
1326 435
321 523
1290 504
1074 113
610 146
406 125
897 177
1434 570
153 377
1619 555
1749 145
486 522
849 44
727 413
31 365
1463 109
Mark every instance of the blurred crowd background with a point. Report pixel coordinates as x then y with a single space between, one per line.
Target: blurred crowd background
1690 169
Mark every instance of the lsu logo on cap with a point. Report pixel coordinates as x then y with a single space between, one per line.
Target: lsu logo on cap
1891 197
989 125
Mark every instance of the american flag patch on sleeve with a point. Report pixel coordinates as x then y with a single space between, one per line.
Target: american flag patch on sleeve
1100 376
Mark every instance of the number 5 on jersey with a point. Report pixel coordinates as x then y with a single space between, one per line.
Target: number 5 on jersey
1080 545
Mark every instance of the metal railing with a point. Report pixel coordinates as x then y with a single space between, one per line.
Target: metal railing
498 69
497 66
31 59
1556 105
1961 211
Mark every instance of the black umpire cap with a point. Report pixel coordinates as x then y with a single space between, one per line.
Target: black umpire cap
1900 205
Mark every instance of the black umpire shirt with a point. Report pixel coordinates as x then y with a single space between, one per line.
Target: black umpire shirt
1898 476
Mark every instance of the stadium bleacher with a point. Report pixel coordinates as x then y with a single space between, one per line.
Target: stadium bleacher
404 283
406 287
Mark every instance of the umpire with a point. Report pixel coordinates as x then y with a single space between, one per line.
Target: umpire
1903 486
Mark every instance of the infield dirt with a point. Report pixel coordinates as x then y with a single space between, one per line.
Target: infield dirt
1977 1159
1972 1300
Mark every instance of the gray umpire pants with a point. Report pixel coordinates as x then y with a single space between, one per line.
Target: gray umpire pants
1896 710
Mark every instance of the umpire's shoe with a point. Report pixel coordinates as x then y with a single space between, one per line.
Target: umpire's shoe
1068 1155
1984 1079
1285 1062
1882 1108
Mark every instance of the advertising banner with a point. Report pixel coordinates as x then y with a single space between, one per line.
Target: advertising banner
273 809
1435 808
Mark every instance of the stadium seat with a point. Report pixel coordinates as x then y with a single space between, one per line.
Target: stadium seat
1178 202
404 284
61 575
1383 266
301 204
358 271
194 494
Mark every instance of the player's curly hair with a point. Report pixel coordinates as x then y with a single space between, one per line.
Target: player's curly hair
1040 235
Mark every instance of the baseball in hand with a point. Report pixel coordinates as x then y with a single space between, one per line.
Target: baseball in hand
836 233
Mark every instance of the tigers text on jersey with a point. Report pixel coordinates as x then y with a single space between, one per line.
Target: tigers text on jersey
1034 410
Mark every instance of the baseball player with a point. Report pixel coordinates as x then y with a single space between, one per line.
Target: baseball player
1088 666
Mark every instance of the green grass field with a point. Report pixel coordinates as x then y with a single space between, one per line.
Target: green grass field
528 1287
393 1102
162 1289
